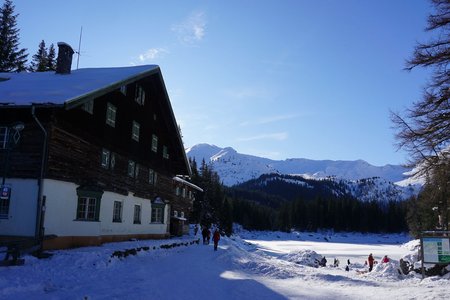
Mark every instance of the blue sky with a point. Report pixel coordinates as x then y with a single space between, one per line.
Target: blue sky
278 79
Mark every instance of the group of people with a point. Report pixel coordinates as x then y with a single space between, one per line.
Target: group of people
370 262
206 235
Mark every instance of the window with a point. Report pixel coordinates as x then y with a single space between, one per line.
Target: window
87 209
111 115
117 212
175 213
151 177
136 171
3 137
123 89
140 95
106 155
108 160
157 215
135 131
154 143
165 152
177 191
88 106
158 206
137 214
183 193
89 199
131 168
182 214
4 202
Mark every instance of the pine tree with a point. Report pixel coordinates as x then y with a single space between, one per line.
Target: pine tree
12 59
40 61
51 58
424 130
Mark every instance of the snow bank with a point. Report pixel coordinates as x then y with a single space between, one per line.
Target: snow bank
308 258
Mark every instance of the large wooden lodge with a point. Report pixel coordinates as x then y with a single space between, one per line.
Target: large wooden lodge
91 156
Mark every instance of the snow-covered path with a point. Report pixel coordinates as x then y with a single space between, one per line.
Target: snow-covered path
238 270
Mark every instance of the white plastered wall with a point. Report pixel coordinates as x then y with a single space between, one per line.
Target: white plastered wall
21 219
61 206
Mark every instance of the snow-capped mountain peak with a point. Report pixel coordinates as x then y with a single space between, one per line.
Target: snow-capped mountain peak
234 167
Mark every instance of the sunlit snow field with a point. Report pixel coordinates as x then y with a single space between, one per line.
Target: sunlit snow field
249 265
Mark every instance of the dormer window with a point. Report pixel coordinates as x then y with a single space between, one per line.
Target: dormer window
140 95
111 115
135 131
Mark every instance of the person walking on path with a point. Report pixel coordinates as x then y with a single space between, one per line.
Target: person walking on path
216 238
370 260
205 235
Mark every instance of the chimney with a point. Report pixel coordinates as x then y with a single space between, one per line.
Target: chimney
64 60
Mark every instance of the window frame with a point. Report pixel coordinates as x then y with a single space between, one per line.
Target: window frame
105 158
117 211
131 170
157 211
88 106
135 131
139 95
165 152
4 137
111 114
123 89
154 143
152 176
88 193
137 214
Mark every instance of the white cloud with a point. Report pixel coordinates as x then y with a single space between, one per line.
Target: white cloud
192 29
152 54
268 136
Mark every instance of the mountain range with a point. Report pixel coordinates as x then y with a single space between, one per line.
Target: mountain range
362 180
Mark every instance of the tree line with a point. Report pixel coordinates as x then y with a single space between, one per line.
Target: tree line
12 57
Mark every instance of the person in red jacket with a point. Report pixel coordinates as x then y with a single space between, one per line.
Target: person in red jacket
385 259
370 260
216 238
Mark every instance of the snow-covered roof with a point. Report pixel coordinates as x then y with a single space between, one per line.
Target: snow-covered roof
181 180
65 89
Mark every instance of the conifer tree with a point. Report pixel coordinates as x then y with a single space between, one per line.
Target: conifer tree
12 59
39 61
51 58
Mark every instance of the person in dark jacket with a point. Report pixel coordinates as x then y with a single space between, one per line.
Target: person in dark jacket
216 238
323 262
370 260
205 235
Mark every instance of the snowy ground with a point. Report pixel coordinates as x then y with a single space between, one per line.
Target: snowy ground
250 265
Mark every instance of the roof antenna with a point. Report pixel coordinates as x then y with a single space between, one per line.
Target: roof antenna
79 47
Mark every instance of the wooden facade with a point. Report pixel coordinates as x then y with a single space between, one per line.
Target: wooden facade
79 135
